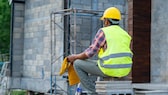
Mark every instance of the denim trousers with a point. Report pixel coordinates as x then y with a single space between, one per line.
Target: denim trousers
85 69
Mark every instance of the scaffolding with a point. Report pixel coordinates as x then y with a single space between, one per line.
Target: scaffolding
70 39
4 57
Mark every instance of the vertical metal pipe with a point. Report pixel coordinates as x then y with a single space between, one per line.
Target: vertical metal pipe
54 39
94 19
67 29
51 52
74 31
54 50
11 38
55 91
67 36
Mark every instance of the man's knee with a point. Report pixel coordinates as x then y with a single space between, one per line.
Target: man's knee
76 63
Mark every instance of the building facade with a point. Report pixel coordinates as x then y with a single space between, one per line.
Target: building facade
39 41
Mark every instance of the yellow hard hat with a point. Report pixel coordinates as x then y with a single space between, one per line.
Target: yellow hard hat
112 13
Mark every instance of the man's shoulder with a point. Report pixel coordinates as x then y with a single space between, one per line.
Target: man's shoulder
99 33
100 30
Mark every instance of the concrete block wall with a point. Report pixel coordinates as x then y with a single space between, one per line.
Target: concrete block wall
31 39
18 34
159 41
32 45
37 43
37 47
33 42
17 41
87 26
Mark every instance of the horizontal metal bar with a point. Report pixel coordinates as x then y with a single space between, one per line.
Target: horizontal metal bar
72 10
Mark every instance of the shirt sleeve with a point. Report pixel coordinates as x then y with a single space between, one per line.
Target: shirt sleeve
98 42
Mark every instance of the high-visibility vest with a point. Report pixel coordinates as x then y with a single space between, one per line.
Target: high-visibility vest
116 60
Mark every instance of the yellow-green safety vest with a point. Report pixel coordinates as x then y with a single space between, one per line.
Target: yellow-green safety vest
116 60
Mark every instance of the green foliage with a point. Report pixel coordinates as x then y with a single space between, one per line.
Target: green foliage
4 26
18 92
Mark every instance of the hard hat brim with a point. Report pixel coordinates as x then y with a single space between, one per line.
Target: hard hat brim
102 18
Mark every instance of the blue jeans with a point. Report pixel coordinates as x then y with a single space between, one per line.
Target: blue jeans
84 68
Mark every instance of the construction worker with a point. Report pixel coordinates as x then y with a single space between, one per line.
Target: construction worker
112 44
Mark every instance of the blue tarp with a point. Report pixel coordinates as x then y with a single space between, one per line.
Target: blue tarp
1 64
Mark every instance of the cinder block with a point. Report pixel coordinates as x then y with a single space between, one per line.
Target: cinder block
152 92
114 88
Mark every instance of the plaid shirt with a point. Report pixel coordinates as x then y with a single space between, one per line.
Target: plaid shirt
98 42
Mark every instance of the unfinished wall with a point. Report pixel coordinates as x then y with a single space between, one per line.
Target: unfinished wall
159 41
31 65
37 44
88 25
17 41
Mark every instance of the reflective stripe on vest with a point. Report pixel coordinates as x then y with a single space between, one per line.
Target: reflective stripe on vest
117 55
129 65
116 65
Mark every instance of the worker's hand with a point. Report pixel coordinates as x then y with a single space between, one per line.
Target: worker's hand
71 58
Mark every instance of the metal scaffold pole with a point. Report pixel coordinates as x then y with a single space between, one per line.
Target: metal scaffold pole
72 37
74 31
51 52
